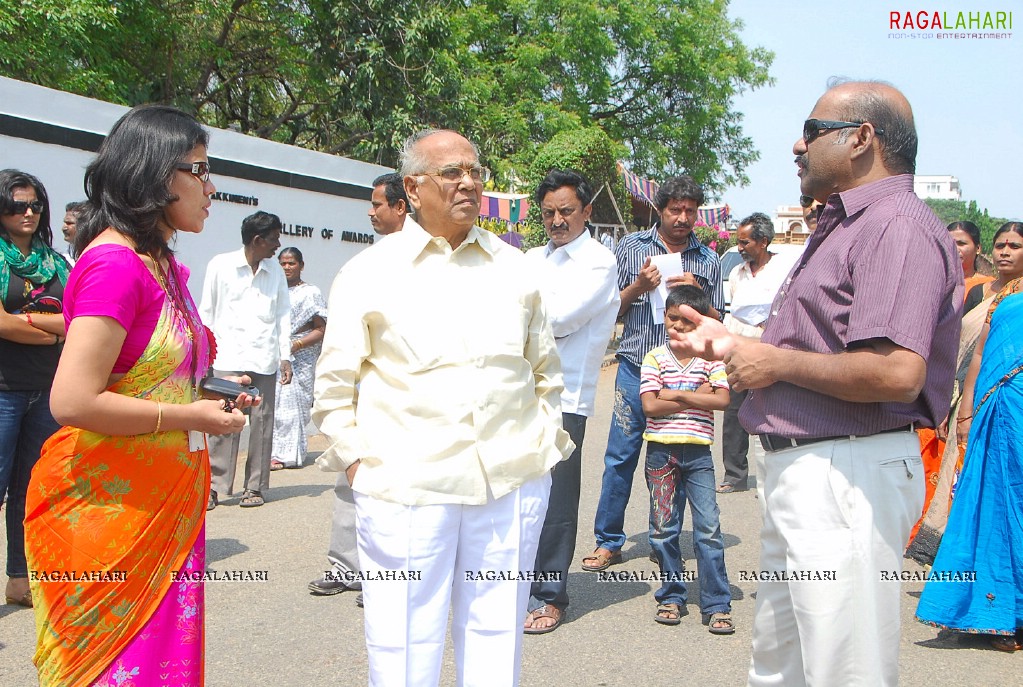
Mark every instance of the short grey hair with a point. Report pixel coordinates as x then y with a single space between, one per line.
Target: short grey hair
411 161
761 227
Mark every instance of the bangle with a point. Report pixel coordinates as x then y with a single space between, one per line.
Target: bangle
963 419
299 343
159 417
28 318
56 339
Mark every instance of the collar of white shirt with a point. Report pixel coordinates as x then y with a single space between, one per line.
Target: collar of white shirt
416 240
571 248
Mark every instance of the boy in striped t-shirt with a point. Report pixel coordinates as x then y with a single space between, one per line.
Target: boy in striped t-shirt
679 399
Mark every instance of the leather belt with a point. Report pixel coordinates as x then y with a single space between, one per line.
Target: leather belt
775 442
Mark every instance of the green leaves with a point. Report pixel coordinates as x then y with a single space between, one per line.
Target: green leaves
949 211
658 77
592 153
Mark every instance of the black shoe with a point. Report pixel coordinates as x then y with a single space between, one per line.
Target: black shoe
358 600
324 587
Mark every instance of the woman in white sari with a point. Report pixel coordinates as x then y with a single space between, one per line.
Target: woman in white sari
295 400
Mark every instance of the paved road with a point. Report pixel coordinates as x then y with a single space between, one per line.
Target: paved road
274 632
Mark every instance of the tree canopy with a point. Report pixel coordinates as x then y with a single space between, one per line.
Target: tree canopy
949 211
659 77
590 152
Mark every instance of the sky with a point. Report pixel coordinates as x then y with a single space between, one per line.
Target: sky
967 94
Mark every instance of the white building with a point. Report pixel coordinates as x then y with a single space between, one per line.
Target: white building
937 186
789 226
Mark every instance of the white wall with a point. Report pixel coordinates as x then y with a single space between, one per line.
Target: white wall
338 225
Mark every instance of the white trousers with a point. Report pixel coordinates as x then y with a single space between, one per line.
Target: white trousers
841 509
450 548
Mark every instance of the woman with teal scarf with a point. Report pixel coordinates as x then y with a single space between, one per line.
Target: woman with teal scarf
32 279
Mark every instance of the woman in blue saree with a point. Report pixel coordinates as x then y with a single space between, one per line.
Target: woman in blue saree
981 554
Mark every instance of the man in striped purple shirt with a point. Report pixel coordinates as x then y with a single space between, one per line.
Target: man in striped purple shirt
859 349
677 201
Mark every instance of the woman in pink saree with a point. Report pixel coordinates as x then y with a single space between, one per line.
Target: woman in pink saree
115 515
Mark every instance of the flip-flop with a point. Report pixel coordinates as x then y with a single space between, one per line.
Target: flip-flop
545 611
212 502
673 611
728 488
276 465
251 499
604 559
725 620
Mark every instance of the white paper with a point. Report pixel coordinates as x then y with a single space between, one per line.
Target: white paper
196 440
669 265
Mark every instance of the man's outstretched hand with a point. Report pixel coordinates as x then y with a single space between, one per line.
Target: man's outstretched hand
710 340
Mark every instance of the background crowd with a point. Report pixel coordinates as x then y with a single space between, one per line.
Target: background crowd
906 407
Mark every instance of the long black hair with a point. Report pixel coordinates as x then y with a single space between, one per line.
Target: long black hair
128 184
11 179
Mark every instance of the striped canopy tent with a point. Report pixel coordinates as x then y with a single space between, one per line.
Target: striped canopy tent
713 214
510 207
640 188
645 189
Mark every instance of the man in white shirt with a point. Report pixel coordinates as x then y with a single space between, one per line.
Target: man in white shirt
440 388
580 292
753 285
245 303
387 212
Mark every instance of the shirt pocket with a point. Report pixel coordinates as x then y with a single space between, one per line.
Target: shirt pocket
702 273
255 302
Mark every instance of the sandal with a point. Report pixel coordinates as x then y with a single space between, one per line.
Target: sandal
1006 643
212 501
668 614
546 611
720 624
251 499
728 488
603 558
276 465
18 599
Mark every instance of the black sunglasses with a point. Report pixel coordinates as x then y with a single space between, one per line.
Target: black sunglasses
812 128
18 207
200 170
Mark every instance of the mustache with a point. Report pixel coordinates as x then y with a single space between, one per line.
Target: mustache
801 160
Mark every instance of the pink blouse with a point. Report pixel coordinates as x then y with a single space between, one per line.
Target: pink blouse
112 281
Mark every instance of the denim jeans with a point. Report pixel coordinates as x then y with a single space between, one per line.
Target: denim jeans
624 443
676 473
25 424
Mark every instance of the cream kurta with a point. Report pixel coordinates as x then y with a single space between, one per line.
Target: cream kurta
439 371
